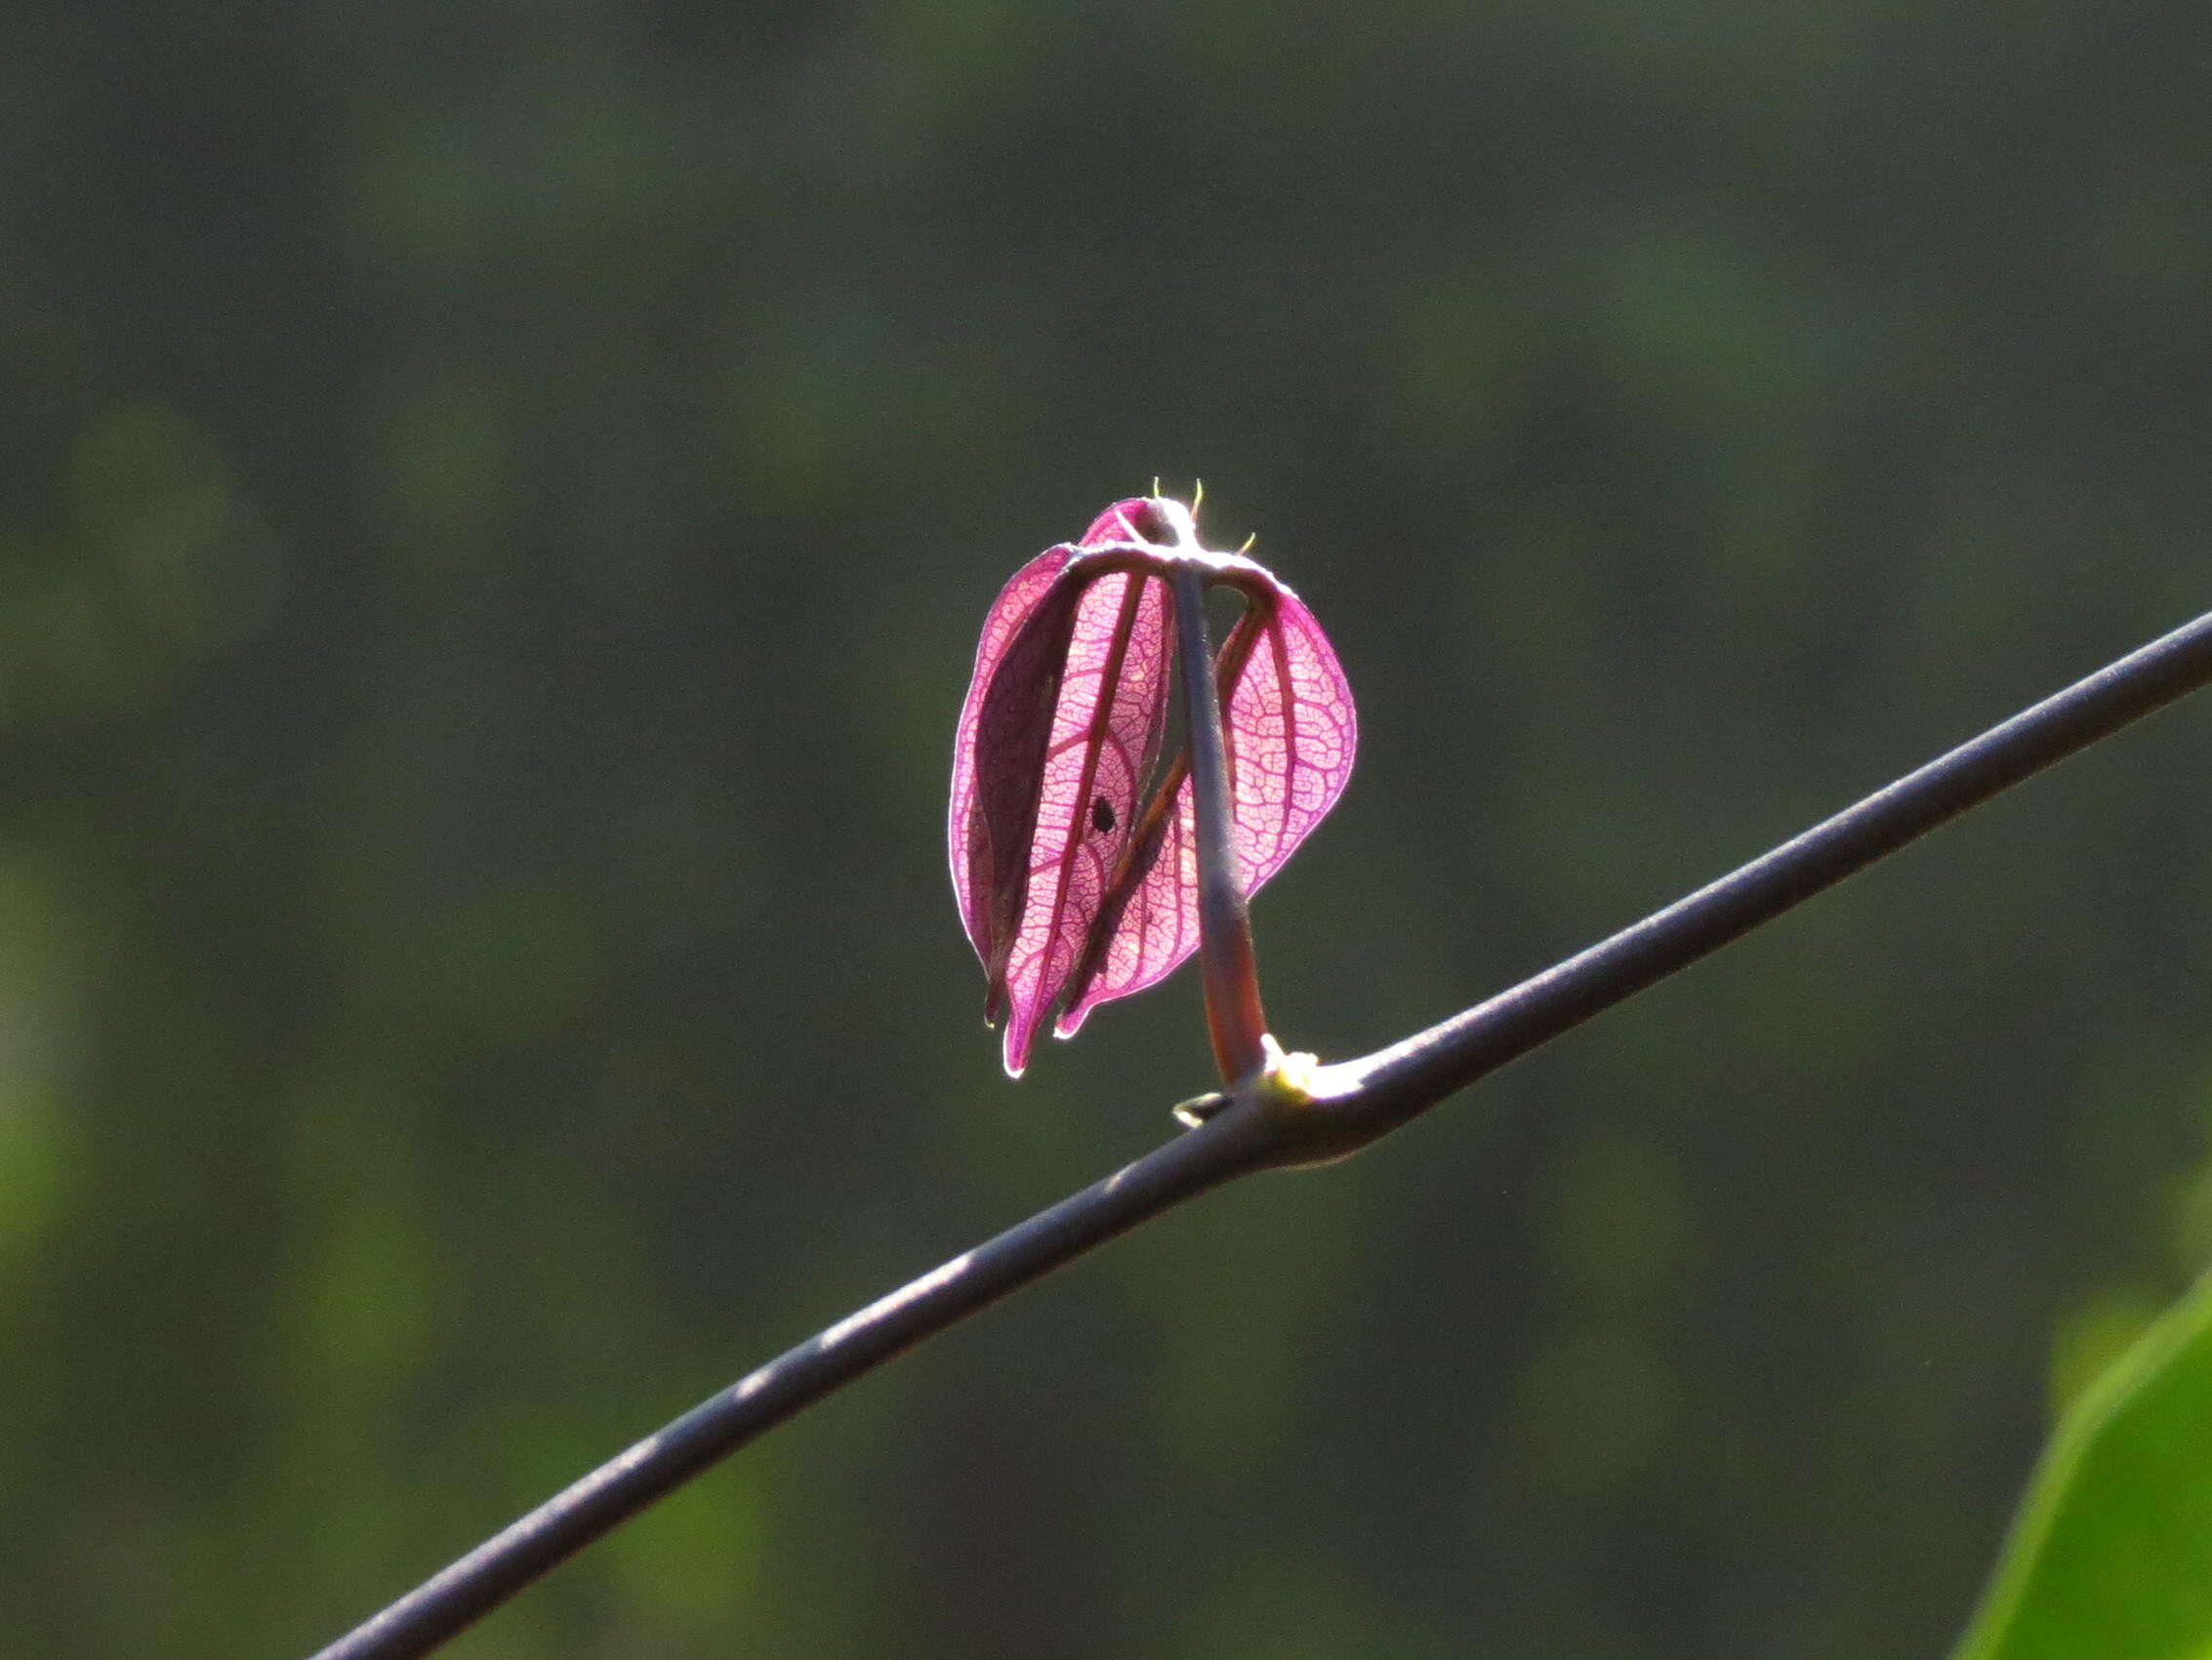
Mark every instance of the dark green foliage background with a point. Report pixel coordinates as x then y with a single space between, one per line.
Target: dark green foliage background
494 506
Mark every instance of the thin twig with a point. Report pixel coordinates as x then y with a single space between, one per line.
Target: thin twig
1381 1091
1355 1102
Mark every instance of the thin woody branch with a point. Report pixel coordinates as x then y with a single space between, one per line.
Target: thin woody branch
1255 1128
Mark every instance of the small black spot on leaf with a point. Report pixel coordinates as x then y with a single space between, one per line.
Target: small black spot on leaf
1101 815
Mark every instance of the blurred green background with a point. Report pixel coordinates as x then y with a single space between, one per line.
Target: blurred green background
497 504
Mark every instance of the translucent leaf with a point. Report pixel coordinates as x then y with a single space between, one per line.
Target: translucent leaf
1062 726
1074 889
1289 729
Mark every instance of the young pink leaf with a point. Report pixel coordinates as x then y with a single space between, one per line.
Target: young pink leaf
1072 889
1289 728
989 830
1061 727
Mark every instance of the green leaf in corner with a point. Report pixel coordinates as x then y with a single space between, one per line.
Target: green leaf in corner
2110 1558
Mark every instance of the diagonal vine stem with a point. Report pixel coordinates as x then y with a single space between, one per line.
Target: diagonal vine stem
1354 1103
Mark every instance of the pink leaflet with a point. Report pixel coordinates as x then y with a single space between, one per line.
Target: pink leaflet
982 864
1062 724
1290 730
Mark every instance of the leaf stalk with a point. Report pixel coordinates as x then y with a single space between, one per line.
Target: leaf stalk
1228 965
